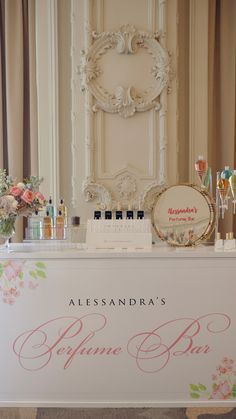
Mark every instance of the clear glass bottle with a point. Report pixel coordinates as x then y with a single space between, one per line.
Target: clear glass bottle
51 209
47 227
63 208
34 228
75 229
60 226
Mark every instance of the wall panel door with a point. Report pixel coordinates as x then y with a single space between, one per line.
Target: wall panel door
121 77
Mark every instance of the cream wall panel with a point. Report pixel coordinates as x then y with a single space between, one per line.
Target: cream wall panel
198 87
47 85
64 77
119 158
140 12
131 136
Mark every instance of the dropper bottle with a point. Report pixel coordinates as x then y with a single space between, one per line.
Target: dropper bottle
62 207
47 227
51 209
60 226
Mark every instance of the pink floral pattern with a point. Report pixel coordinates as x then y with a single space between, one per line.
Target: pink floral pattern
223 383
16 276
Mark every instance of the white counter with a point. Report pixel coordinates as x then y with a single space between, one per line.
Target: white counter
117 328
79 251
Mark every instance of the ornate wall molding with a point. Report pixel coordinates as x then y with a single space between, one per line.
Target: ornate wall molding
124 100
126 186
94 190
149 195
125 182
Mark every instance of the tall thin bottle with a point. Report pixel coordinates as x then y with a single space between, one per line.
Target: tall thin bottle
60 226
63 208
47 227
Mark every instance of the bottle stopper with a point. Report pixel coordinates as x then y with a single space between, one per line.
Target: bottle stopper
75 221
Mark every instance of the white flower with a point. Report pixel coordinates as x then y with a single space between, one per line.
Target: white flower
8 205
20 185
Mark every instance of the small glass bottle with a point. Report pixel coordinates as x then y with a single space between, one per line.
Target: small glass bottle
62 207
129 213
60 226
108 215
140 214
119 213
97 215
47 227
51 210
75 229
34 227
219 243
229 243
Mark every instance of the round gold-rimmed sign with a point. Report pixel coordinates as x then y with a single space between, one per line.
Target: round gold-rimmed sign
184 215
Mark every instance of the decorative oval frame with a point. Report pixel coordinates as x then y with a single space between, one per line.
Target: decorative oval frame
125 100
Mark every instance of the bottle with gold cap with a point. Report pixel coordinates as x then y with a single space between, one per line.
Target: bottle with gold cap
229 243
219 243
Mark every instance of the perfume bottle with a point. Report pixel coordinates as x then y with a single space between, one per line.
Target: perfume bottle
35 226
229 243
129 213
119 213
108 215
50 208
219 243
47 227
140 214
60 226
232 182
97 215
201 167
62 207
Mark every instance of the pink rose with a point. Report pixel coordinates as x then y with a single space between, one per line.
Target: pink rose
10 273
40 197
28 196
222 391
13 269
15 191
223 370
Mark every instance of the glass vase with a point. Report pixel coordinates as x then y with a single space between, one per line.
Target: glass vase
7 230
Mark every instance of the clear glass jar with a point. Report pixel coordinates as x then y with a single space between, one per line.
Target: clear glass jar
75 229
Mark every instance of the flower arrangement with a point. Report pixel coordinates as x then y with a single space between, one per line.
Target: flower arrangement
21 198
223 383
19 275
